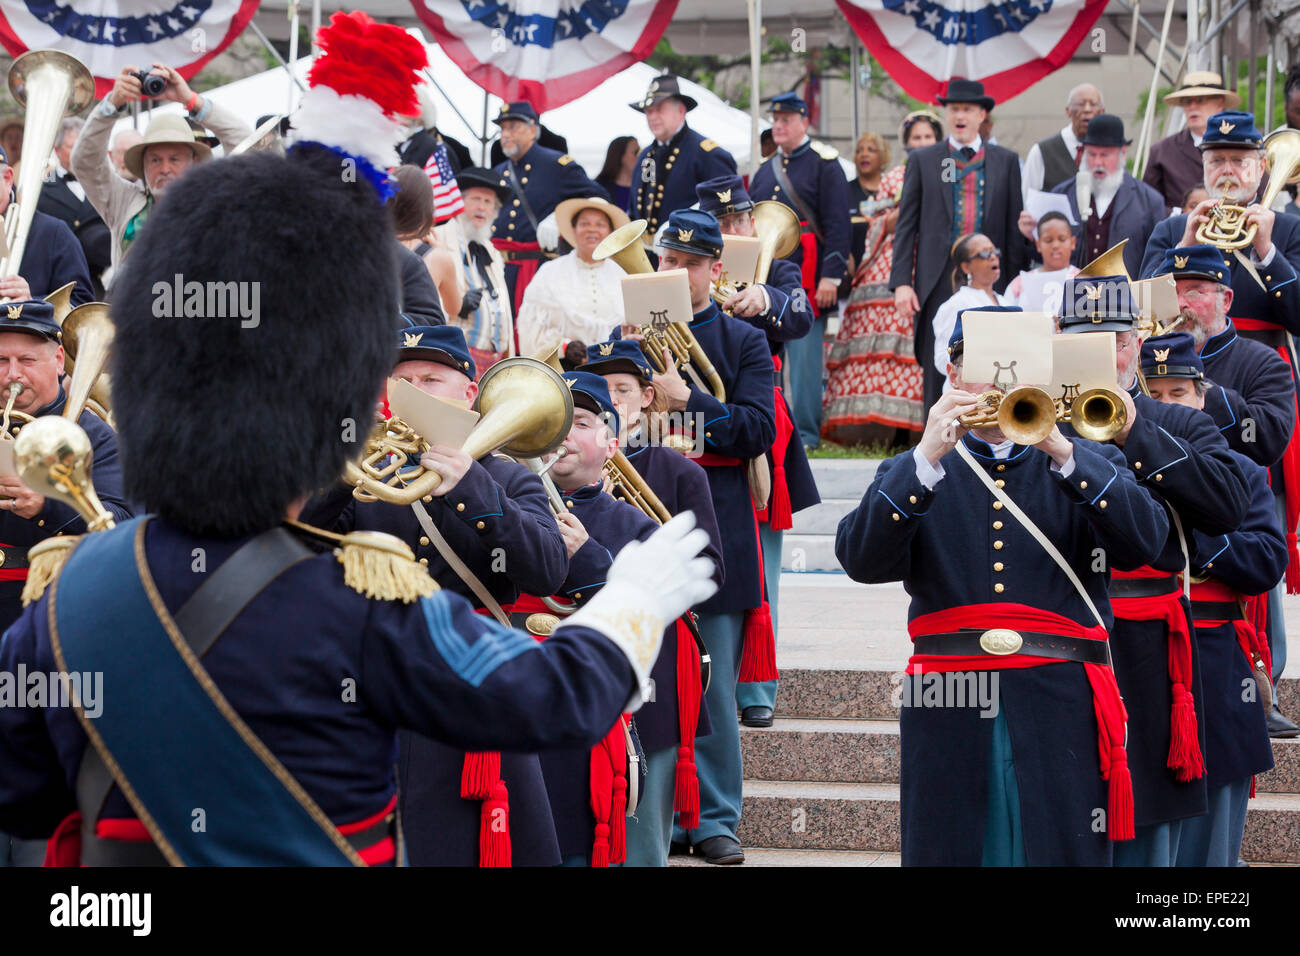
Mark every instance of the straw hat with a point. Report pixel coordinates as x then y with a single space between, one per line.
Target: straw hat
168 128
568 210
1203 83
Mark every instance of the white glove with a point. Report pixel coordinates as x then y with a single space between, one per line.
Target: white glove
548 233
650 584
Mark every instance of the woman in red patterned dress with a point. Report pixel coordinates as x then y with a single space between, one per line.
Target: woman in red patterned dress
874 393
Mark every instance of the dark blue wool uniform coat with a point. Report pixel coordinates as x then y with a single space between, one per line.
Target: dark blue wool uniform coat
547 178
431 666
823 189
497 521
1178 455
943 546
17 534
53 258
1250 560
666 176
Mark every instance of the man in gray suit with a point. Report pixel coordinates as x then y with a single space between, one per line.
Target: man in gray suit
961 185
1110 205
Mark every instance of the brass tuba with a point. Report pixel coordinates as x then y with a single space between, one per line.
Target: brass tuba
1226 228
87 340
50 85
527 411
623 245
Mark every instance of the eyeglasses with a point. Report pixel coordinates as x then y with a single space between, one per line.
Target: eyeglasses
986 254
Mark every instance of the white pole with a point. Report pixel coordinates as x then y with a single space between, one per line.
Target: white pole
1144 142
293 52
315 27
755 58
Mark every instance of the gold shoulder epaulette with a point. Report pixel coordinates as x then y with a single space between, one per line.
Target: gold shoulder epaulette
824 151
565 159
376 565
708 145
45 560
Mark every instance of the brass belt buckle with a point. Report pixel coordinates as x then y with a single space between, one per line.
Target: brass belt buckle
1001 641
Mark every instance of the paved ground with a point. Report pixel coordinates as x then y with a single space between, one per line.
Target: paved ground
828 621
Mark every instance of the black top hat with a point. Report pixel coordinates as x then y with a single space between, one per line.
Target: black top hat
966 91
1105 129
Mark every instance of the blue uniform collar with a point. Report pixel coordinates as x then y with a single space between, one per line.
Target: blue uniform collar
800 149
706 315
1219 341
585 493
982 450
55 407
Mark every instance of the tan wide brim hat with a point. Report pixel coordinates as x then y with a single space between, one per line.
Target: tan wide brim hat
168 128
1204 83
568 210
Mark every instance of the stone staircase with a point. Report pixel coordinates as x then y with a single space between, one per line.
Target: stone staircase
810 544
825 777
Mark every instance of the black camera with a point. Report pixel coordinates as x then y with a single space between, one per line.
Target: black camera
153 83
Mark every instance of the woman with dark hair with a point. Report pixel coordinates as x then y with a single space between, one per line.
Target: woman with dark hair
410 210
978 268
620 163
874 392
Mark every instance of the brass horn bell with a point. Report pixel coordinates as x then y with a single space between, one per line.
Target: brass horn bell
1026 415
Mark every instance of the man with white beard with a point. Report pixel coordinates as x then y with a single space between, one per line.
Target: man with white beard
470 272
1107 203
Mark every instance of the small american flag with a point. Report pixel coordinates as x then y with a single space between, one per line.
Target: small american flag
446 194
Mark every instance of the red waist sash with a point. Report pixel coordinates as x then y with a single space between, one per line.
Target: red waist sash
12 574
1107 704
527 269
777 514
808 273
1249 636
1185 757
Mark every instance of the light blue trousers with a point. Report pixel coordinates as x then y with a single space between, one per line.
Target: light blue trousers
1155 845
1215 838
651 830
1004 843
763 694
717 756
804 358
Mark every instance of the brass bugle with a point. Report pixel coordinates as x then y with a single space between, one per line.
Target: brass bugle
1026 415
1097 414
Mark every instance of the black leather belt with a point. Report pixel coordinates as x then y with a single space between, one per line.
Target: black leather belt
98 852
1217 611
520 255
13 556
1273 338
1143 587
977 643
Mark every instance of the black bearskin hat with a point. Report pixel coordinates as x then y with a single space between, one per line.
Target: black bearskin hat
254 320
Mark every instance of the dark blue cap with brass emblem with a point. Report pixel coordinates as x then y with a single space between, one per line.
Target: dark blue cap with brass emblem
618 355
1232 129
723 196
663 87
1172 355
1195 262
691 230
436 343
591 392
32 316
788 103
1098 304
519 110
957 341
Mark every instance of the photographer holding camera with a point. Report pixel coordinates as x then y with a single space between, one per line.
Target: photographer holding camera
168 149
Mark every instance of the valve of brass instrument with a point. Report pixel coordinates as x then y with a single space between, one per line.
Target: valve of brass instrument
53 457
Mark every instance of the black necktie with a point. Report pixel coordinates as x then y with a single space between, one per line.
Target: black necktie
967 153
483 259
69 178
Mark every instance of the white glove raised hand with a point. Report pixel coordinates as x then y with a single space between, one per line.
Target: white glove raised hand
548 233
650 584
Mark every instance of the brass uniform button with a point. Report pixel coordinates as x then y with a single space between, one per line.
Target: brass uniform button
998 588
1083 485
425 562
997 526
1000 483
428 498
1002 467
1160 477
461 506
1102 504
1137 466
577 597
40 523
895 516
480 525
997 506
424 541
997 545
997 566
912 499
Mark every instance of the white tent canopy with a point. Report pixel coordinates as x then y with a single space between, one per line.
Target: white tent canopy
588 123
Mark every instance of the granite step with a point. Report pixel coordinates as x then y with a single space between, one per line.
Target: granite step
867 751
843 477
824 518
808 552
770 856
802 815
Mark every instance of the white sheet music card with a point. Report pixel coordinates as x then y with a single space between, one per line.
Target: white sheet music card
1041 291
7 466
1158 297
740 258
1007 348
1085 359
436 420
657 298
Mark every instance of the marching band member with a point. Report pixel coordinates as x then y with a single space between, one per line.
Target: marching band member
575 297
1180 457
668 724
524 226
778 308
1024 787
284 736
1253 401
489 529
1229 573
660 191
736 623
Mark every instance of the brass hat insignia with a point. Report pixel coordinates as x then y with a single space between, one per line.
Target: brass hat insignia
724 196
1162 355
15 311
410 341
505 107
1180 262
1093 292
606 349
1225 127
684 235
570 382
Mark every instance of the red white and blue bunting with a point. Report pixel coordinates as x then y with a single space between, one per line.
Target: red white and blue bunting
1007 46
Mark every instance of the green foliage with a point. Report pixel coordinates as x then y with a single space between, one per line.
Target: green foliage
828 449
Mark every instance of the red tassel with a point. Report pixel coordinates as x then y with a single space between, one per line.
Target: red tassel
758 656
779 515
478 773
1292 564
600 850
494 828
618 821
63 848
686 799
1252 786
1185 757
1120 796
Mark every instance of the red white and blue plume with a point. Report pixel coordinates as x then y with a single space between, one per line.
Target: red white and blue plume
361 89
